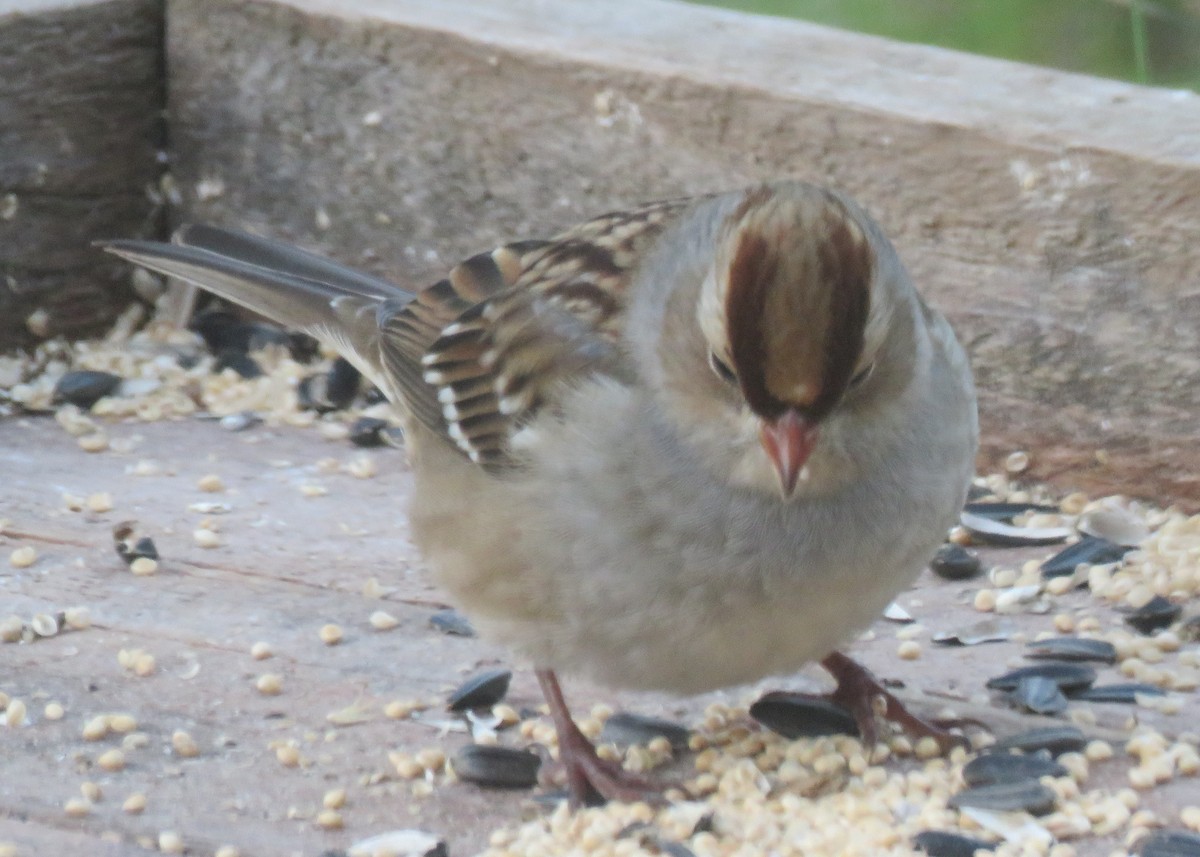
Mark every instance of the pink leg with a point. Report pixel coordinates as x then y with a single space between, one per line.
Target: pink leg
590 779
857 690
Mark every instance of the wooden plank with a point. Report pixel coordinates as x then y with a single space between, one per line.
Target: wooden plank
80 133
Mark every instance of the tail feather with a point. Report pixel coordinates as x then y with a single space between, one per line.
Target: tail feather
329 301
277 256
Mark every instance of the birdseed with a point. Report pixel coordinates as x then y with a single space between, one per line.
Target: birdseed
329 819
143 566
184 745
206 538
330 634
269 684
381 620
23 557
14 713
111 760
77 807
210 483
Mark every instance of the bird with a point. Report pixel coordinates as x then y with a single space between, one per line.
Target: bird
679 447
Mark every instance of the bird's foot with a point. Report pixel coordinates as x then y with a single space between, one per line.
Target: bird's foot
592 780
858 691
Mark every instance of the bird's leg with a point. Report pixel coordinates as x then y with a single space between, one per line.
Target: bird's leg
590 779
856 691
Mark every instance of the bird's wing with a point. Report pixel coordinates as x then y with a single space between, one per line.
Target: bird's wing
473 356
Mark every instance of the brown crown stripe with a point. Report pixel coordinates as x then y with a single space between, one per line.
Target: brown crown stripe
750 274
845 264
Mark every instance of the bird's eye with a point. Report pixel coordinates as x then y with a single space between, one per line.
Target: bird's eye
862 375
721 368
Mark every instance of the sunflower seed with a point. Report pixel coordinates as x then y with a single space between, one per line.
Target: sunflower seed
129 548
393 436
1055 740
452 622
1089 549
366 431
674 849
240 362
496 766
84 387
795 715
45 625
896 613
992 532
985 631
222 330
482 690
992 768
1068 677
1156 613
1028 795
954 562
1115 524
1007 511
1170 843
330 391
943 843
399 843
1039 695
1121 693
625 728
240 421
1072 649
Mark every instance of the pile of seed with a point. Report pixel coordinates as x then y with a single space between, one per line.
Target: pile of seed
244 373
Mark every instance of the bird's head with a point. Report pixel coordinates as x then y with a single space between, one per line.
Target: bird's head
792 319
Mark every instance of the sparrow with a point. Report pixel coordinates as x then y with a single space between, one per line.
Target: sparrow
678 447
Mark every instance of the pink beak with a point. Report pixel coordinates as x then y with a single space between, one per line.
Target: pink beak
788 442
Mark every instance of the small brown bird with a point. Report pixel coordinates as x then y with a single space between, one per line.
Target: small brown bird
679 447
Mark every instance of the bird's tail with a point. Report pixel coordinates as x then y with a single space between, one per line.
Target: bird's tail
336 304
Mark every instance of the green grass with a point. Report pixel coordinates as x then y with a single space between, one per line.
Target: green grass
1145 41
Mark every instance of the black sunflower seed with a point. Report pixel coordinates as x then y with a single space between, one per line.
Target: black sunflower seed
954 562
83 388
1170 843
498 767
367 431
1006 511
795 715
450 621
1055 740
1126 692
943 843
129 548
482 690
1089 549
1039 695
1156 613
1072 649
343 383
991 768
625 728
1069 677
239 361
1028 795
